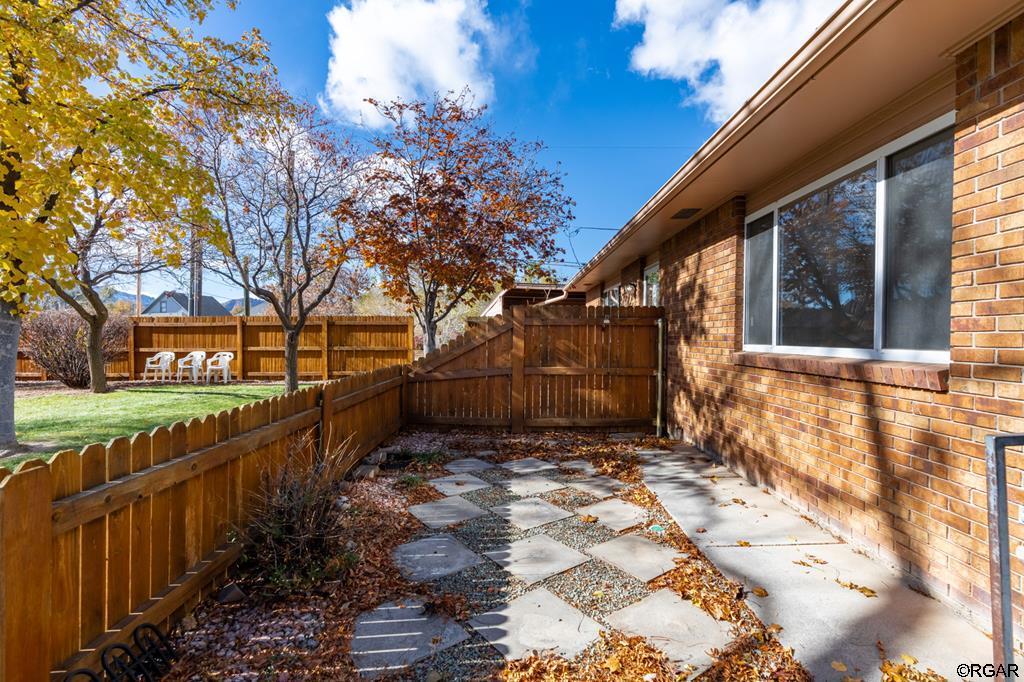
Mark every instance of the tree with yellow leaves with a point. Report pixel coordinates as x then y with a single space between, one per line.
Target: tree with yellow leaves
89 91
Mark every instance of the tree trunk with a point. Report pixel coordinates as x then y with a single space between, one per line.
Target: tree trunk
429 336
97 367
10 328
291 360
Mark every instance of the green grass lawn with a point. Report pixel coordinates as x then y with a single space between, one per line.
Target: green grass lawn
49 423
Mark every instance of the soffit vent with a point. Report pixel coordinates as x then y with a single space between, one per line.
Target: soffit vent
685 213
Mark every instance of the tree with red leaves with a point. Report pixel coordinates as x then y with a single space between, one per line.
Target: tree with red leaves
454 211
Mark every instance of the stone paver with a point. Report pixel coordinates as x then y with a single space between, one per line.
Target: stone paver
535 558
615 514
821 620
441 513
598 486
579 465
531 484
395 635
528 465
636 555
530 512
461 466
433 557
684 632
537 621
456 484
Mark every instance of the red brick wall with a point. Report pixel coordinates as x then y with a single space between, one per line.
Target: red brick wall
894 469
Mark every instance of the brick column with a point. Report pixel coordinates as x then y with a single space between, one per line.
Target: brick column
987 329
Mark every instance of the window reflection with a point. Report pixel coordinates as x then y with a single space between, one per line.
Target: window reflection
827 265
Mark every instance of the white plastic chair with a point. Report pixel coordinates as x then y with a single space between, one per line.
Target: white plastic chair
160 365
220 363
193 362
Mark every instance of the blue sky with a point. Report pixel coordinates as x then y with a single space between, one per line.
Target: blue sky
622 91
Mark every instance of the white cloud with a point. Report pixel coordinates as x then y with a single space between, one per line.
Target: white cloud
407 48
723 49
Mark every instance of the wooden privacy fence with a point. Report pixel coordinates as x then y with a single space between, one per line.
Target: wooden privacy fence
544 367
329 346
94 543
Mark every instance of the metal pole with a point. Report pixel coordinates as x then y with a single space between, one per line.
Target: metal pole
999 546
660 423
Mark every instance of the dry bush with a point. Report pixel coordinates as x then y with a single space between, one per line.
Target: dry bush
57 341
294 534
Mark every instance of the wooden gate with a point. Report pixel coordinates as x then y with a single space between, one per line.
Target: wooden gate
544 367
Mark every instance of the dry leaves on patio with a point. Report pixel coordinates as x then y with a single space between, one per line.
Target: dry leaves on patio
613 657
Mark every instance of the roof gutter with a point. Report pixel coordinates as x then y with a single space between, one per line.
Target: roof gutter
831 38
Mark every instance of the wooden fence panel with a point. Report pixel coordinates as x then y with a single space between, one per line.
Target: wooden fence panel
94 543
544 367
330 347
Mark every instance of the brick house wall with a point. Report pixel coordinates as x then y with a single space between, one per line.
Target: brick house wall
889 456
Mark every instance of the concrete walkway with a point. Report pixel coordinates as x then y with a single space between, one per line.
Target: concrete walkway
801 568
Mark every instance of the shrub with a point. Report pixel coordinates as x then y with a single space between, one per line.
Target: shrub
294 533
58 342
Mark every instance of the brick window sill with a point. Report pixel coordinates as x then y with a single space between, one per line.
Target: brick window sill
931 377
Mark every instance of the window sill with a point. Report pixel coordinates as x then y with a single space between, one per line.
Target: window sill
928 376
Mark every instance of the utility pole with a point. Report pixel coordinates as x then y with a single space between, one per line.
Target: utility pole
195 294
138 279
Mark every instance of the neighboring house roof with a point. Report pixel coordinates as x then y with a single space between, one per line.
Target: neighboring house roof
529 292
208 305
867 55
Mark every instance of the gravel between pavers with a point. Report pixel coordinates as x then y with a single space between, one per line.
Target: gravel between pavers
485 586
597 588
470 661
575 533
494 474
569 498
485 498
487 532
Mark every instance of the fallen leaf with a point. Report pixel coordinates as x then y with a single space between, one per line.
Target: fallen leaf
866 591
839 666
588 518
908 659
803 563
738 500
743 543
613 664
760 592
597 593
773 628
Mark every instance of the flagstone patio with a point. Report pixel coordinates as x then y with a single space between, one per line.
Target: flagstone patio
524 561
548 555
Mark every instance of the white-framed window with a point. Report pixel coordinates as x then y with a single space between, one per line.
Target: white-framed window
857 264
610 296
652 285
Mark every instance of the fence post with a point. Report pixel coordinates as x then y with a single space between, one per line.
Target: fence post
240 345
327 393
324 354
26 539
411 340
131 351
517 408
